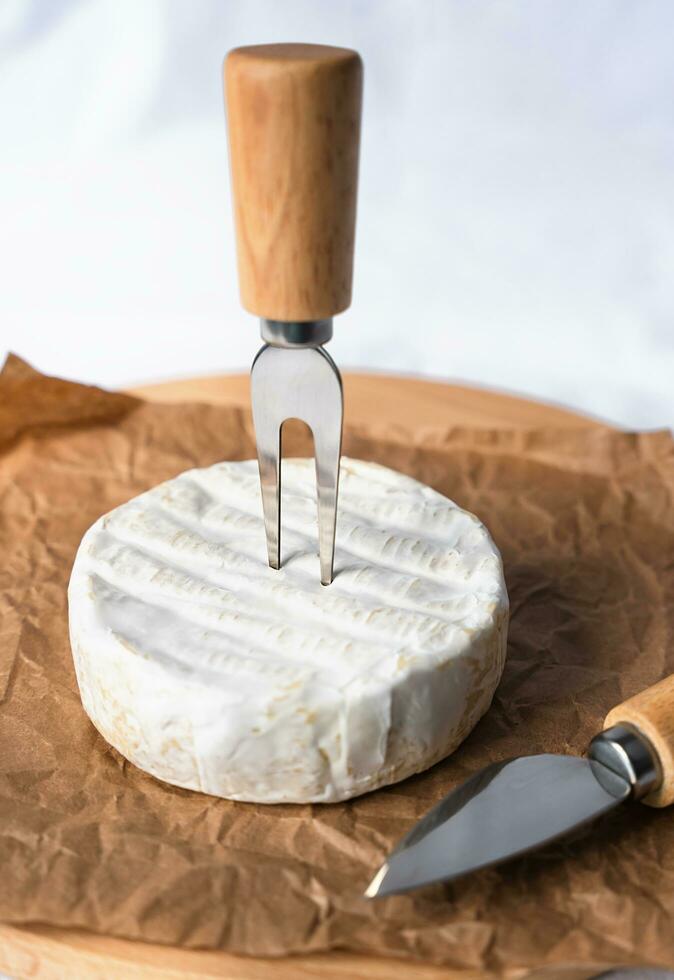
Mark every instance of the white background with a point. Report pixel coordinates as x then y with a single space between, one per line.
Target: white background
516 211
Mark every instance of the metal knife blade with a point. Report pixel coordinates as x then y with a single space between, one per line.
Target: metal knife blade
505 810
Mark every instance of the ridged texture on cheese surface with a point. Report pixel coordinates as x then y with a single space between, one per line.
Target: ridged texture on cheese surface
211 671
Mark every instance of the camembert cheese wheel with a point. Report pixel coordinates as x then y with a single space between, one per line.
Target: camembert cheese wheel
211 671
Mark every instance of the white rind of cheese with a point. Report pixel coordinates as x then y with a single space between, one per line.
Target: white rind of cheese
211 671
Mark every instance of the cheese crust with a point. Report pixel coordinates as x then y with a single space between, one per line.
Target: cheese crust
211 671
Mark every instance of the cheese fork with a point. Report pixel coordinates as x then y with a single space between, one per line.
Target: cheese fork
293 113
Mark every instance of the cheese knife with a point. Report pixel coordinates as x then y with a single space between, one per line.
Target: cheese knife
512 807
293 116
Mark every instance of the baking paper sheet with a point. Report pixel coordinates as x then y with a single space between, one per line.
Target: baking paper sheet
585 522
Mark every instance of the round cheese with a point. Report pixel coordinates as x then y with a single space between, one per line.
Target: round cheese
211 671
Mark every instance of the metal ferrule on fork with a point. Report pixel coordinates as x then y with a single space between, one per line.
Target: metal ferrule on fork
308 333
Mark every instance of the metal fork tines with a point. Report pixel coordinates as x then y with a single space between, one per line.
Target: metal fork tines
293 377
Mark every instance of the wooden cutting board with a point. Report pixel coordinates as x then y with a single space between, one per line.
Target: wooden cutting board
48 953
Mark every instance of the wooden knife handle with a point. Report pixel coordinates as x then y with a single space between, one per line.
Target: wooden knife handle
293 114
652 713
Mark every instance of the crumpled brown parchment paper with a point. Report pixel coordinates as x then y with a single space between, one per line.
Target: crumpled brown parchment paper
585 522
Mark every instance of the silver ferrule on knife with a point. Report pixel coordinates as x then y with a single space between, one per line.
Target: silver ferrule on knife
627 753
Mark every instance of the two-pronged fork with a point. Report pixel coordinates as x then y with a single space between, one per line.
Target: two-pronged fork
293 113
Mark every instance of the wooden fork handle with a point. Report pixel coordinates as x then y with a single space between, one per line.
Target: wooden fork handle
293 114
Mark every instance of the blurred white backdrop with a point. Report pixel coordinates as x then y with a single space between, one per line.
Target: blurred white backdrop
516 207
